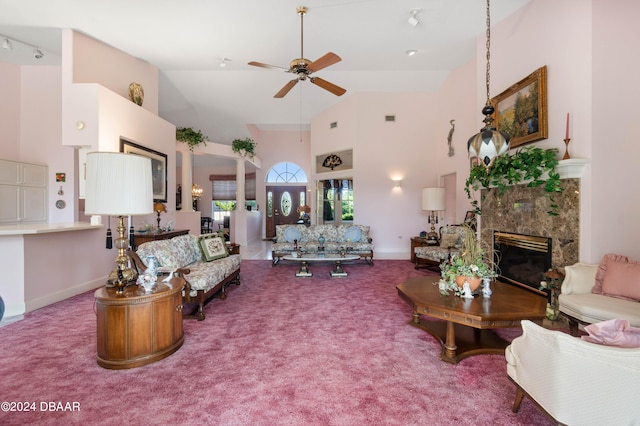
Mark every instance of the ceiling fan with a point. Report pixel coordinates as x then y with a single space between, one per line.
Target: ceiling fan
303 68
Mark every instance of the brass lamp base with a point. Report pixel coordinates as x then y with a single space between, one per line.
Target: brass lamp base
122 276
122 279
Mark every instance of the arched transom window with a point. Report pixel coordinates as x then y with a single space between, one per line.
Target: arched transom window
286 173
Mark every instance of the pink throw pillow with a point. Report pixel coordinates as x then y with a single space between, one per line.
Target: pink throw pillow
615 332
602 270
622 280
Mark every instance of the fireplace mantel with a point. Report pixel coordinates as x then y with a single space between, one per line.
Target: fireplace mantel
572 168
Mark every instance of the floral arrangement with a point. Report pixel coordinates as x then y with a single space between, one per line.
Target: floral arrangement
304 209
471 262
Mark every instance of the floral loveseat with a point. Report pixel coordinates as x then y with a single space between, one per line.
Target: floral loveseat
206 272
354 239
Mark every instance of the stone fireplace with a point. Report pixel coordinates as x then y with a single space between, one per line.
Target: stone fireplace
523 210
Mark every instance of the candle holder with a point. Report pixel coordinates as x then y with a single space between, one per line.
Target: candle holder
566 149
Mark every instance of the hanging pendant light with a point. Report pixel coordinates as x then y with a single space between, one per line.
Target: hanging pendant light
489 143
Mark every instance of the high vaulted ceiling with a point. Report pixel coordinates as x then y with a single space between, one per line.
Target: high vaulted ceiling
186 39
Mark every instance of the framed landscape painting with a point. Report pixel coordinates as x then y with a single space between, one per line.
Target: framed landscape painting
158 167
521 110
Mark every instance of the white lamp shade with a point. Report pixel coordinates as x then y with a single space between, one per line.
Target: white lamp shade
432 198
118 184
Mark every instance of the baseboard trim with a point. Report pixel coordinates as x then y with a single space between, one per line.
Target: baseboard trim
48 299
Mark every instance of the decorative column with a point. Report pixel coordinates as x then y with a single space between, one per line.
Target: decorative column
239 216
187 181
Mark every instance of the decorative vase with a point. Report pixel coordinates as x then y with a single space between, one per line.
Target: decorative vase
474 281
136 93
1 308
321 241
152 266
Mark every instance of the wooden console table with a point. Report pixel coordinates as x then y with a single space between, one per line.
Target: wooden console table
137 328
143 237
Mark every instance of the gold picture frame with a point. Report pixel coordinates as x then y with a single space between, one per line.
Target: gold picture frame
521 110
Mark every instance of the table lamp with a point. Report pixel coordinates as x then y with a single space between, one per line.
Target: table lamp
159 207
119 185
432 201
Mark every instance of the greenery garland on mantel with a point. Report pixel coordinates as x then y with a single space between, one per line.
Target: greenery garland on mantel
531 165
191 137
245 147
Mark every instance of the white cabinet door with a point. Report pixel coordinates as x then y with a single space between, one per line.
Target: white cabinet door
34 204
9 172
34 175
9 204
23 192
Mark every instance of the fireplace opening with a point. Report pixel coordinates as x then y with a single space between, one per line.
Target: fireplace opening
522 259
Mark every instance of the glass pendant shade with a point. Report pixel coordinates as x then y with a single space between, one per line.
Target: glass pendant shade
489 143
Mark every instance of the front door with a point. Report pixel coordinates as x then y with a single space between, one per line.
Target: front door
282 207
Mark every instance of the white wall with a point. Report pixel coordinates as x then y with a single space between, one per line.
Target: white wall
615 130
384 151
10 84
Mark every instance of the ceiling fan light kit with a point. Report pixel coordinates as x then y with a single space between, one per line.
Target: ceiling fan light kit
303 68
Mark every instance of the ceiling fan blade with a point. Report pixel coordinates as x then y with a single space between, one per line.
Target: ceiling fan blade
261 65
323 62
336 90
286 89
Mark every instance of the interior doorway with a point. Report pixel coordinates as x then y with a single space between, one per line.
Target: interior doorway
335 200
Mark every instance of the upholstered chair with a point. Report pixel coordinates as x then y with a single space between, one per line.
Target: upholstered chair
574 381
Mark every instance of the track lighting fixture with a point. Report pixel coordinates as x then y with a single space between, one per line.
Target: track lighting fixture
413 18
8 42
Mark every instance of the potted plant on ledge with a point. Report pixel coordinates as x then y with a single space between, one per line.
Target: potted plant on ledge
464 273
190 137
245 147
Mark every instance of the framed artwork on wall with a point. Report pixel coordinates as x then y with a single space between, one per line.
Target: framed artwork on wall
158 167
521 110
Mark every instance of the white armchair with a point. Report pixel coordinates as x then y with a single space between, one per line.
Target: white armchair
574 381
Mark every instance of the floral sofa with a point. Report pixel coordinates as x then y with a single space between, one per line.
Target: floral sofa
596 293
206 274
353 238
451 242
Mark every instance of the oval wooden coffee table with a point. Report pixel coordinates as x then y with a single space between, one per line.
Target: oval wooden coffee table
464 326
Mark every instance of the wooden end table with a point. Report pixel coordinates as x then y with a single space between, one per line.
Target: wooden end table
463 326
137 328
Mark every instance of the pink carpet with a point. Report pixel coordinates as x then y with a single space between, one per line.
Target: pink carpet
279 351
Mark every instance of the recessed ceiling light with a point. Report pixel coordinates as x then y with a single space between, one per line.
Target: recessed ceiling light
411 52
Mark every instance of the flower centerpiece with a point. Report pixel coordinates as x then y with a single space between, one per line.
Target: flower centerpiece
464 273
304 210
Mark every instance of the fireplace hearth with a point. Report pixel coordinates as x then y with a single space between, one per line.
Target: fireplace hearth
522 259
